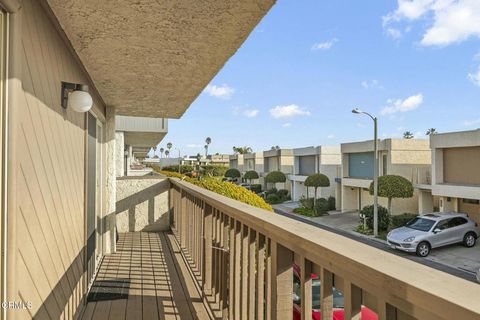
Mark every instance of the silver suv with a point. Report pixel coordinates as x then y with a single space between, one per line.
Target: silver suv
434 230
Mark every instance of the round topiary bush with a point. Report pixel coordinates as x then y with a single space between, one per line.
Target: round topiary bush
383 217
275 177
393 186
251 175
233 173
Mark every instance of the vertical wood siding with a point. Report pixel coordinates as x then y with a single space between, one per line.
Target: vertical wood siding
50 210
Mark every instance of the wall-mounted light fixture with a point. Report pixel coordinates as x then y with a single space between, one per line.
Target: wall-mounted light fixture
76 96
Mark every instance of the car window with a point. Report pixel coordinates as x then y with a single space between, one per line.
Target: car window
458 221
420 224
444 224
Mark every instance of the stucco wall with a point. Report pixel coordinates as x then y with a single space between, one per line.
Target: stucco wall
142 204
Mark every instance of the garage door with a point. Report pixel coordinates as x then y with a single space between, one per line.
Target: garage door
470 207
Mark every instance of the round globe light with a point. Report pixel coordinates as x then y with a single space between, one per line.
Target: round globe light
80 101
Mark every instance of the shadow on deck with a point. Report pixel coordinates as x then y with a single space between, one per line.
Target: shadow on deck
145 279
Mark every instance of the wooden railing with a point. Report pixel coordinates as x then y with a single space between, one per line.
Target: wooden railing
242 259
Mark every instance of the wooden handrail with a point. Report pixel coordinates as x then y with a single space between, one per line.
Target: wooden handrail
388 284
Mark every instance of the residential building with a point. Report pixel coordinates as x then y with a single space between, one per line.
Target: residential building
219 159
278 160
455 174
236 162
403 157
311 160
254 161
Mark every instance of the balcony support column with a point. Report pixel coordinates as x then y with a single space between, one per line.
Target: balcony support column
110 183
282 284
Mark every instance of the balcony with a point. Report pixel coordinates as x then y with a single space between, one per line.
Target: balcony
224 259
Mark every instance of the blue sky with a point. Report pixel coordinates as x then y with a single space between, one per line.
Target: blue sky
293 83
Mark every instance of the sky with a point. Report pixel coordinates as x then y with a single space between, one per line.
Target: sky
293 83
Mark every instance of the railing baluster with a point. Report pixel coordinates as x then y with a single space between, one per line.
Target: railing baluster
353 301
251 274
268 280
245 271
282 284
231 273
305 286
260 285
238 269
225 256
207 249
326 291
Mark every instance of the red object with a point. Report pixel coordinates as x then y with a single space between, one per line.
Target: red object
338 313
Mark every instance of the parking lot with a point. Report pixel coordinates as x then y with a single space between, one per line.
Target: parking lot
454 259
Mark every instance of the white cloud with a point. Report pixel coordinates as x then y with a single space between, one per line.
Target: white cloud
289 111
475 77
394 33
251 113
331 136
399 105
469 123
453 20
192 145
223 91
286 125
324 45
370 84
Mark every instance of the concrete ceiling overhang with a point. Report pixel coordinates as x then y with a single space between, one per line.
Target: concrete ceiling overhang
153 58
143 139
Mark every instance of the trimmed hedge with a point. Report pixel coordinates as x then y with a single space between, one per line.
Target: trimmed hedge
226 189
275 177
257 188
331 203
183 169
251 175
383 217
233 173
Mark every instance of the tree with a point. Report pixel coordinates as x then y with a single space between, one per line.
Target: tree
275 148
242 150
275 177
161 152
169 146
251 175
393 186
207 142
317 180
233 173
407 135
154 150
167 153
431 131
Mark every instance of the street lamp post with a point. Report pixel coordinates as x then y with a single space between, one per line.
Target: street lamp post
375 170
179 160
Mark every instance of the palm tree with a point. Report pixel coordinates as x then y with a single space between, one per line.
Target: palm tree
167 153
207 142
242 150
169 146
161 152
407 135
154 150
431 131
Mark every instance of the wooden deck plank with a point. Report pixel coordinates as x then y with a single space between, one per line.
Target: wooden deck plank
160 284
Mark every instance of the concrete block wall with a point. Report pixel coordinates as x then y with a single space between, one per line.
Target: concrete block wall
142 204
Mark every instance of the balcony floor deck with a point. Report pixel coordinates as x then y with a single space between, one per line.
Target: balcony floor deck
145 279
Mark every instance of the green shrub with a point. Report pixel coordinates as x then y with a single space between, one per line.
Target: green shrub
233 173
250 175
383 217
257 188
272 191
227 189
306 203
183 169
401 219
273 198
282 193
305 212
331 203
275 177
391 187
321 206
215 170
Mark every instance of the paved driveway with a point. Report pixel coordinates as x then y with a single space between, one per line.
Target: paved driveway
456 259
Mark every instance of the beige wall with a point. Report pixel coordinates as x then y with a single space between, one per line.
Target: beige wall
142 204
47 171
461 165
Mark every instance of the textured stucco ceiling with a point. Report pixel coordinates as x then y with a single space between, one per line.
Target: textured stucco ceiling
153 57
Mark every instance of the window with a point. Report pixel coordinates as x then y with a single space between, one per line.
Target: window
458 221
444 224
471 201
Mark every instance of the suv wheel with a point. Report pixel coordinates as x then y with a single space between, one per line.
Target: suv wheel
423 249
469 240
